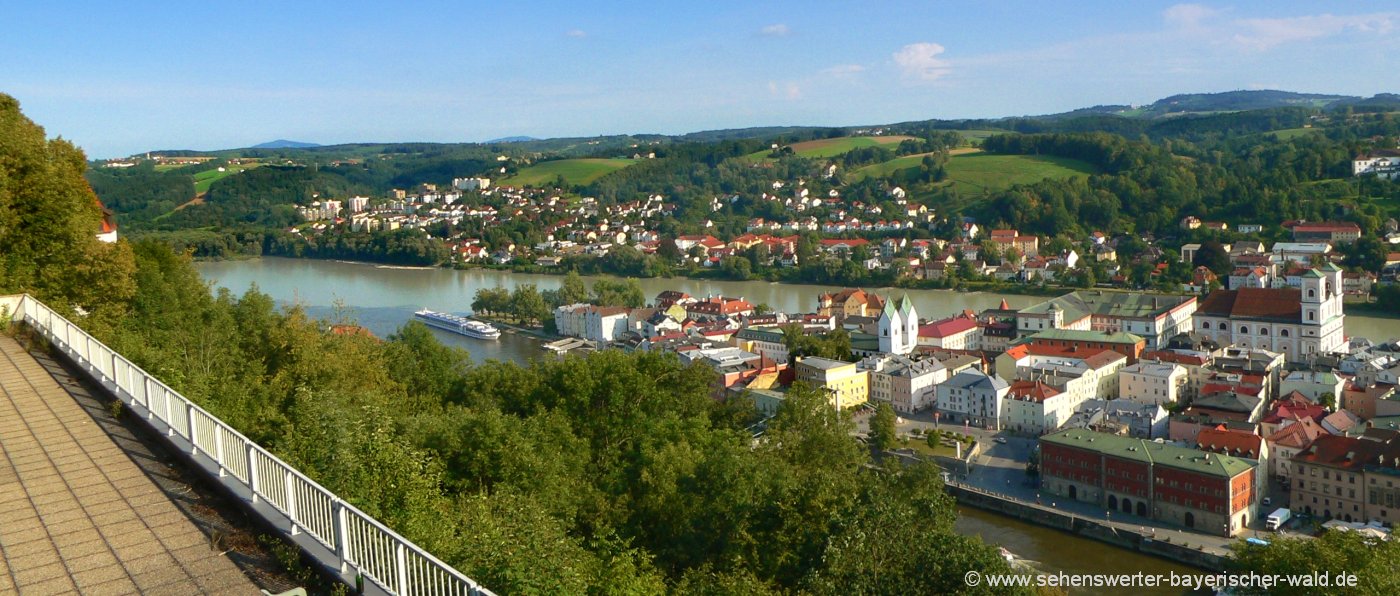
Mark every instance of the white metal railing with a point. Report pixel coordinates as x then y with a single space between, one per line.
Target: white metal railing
358 542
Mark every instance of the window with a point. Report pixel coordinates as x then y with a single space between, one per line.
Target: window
1312 316
1244 329
1222 327
1283 332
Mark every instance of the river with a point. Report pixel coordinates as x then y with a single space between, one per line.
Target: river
384 298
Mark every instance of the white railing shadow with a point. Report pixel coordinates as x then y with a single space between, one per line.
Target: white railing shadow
339 536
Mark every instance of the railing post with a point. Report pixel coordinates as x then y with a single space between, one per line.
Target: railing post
219 451
169 420
342 542
189 424
291 502
117 385
252 471
401 567
146 395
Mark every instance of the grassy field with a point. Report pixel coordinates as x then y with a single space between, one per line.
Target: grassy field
574 171
204 179
975 173
833 147
1288 133
977 135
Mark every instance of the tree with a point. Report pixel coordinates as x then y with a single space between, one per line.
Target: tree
492 301
527 305
573 291
1212 255
1372 561
883 435
49 221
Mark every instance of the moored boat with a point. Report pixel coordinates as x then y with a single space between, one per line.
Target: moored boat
456 324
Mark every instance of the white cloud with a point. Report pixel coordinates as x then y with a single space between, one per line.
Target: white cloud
775 30
843 70
789 91
921 61
1263 34
577 33
1188 16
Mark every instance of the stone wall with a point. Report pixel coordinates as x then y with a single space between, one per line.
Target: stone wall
1088 528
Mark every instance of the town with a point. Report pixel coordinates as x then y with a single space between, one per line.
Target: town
1207 414
894 241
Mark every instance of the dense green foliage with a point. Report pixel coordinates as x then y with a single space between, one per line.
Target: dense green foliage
49 221
1375 563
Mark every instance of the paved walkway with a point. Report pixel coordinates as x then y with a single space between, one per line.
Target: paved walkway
80 516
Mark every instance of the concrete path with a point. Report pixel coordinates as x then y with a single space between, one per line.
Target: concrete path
76 514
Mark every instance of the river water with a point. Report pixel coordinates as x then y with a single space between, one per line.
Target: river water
383 298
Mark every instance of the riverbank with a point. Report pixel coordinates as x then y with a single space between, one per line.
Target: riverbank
539 334
1372 309
1181 550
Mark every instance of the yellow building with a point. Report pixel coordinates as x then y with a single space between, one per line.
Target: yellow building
846 386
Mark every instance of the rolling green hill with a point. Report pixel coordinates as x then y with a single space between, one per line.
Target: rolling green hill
574 171
203 180
977 173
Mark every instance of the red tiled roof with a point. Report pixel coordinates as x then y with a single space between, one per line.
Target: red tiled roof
1229 442
948 327
1298 435
1032 391
1328 226
1175 357
1253 303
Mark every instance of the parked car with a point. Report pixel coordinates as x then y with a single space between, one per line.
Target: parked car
1001 440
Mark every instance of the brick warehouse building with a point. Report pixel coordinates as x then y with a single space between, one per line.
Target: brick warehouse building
1200 490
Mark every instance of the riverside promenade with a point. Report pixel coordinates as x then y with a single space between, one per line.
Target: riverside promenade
79 515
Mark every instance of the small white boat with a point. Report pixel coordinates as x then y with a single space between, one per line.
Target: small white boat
459 325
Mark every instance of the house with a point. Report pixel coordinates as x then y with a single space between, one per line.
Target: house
846 386
1349 478
1384 163
1299 323
1152 382
849 303
1129 345
1313 385
1120 417
719 306
603 324
1189 487
1035 408
1154 317
766 342
1287 442
973 398
1344 232
953 333
907 385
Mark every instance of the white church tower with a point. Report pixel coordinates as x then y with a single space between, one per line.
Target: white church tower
899 327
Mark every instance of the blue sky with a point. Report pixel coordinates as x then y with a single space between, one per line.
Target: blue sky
122 77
